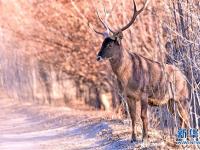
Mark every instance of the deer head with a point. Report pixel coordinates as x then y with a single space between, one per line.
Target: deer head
111 46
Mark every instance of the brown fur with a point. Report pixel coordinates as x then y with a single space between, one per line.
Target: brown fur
149 82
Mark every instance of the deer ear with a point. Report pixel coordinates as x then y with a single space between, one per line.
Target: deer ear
119 40
119 37
112 37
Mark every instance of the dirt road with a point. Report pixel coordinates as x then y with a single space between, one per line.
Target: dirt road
32 127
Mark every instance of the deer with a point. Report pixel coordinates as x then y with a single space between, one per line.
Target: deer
143 80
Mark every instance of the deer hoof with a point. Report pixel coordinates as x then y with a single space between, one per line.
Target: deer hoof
133 139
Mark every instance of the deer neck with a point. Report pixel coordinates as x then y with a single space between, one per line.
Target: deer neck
120 63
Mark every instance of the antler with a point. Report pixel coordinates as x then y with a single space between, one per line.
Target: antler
135 14
108 29
104 23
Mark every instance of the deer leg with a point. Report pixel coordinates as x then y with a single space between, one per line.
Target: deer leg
144 105
170 106
183 114
132 111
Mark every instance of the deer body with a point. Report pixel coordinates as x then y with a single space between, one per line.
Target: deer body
144 80
147 81
138 75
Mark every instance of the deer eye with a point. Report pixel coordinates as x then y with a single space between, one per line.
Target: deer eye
109 46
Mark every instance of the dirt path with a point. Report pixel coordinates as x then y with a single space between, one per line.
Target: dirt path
31 127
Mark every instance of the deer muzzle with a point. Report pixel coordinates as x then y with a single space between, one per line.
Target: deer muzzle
99 58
